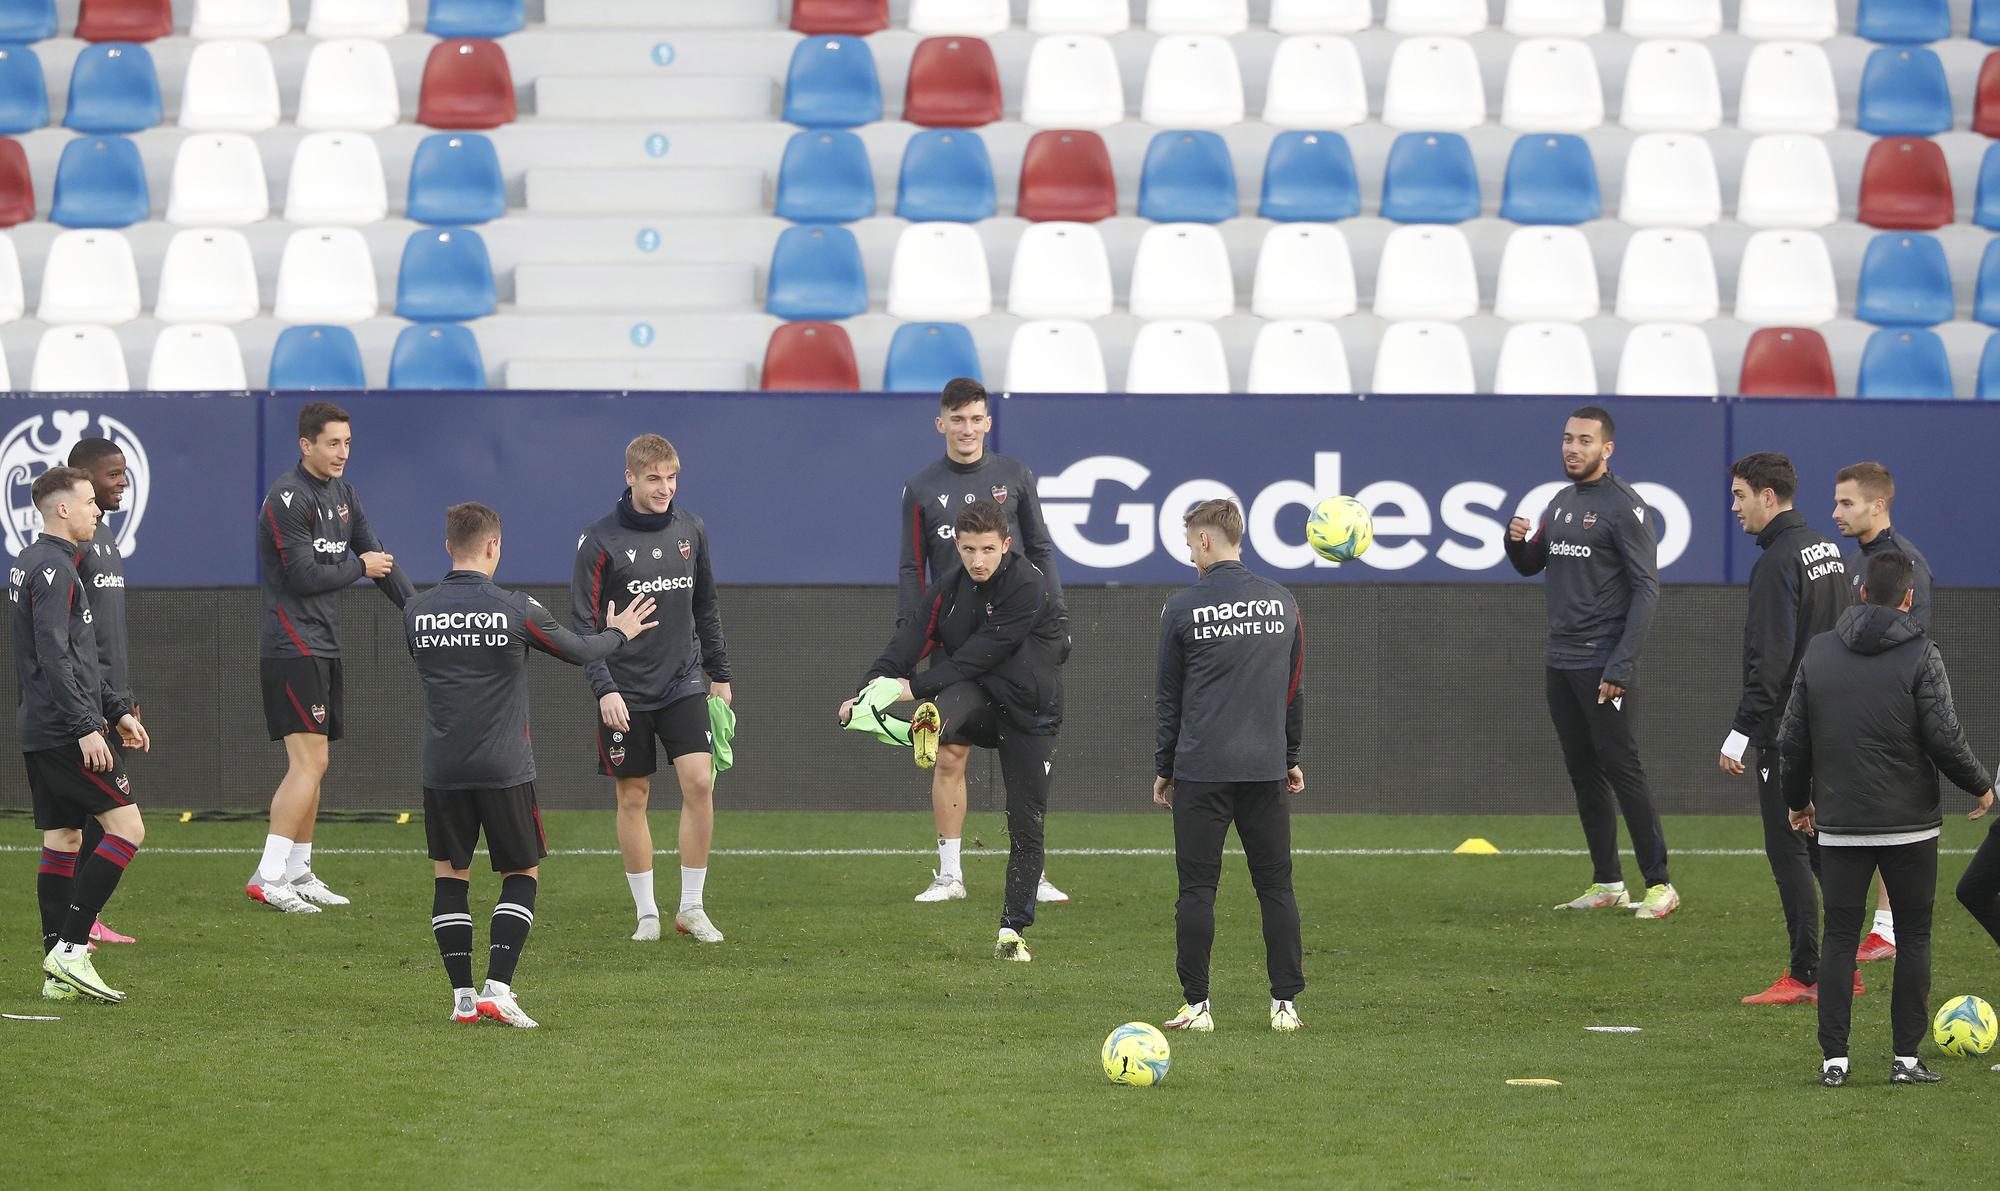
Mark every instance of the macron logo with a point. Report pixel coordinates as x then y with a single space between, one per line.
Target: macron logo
1618 704
286 497
49 576
631 555
944 502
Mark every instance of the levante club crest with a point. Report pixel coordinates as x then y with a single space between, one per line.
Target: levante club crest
41 441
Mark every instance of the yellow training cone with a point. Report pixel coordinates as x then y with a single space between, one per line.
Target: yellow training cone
1475 847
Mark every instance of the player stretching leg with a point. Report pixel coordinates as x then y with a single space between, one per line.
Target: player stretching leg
103 571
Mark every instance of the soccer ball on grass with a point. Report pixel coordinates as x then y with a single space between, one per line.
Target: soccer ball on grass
1136 1055
1964 1027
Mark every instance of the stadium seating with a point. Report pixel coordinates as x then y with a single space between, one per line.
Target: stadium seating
1986 98
840 16
1987 388
1423 357
1187 178
474 18
1672 18
1671 86
1177 356
1788 20
960 18
1670 181
218 181
924 357
1298 356
1986 203
17 186
24 93
113 88
1547 274
1072 82
196 358
939 274
1192 81
1666 360
100 182
377 19
1061 271
1787 181
254 20
208 276
1905 282
1055 356
467 84
349 86
1434 83
436 356
446 276
1667 276
336 178
832 84
1904 93
1904 362
1986 21
1426 273
1067 176
124 20
1430 178
1318 16
317 357
1182 271
1315 83
1786 362
1197 16
1905 184
13 293
1786 280
946 175
1551 179
23 21
824 177
326 276
79 360
1552 86
953 83
1903 22
1554 18
1304 272
231 86
810 357
1788 87
89 277
816 274
455 178
1986 292
1551 358
1098 17
1309 176
1456 18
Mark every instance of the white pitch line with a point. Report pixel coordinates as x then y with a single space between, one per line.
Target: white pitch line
999 854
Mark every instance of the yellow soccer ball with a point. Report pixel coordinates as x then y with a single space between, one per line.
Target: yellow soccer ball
1136 1055
1964 1026
1340 529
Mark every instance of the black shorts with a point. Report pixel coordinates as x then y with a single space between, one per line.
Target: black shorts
66 793
301 695
681 727
513 826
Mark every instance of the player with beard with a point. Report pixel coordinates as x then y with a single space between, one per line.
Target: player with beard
1603 585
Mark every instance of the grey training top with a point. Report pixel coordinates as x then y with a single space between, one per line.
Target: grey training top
1596 541
310 534
617 562
62 694
103 571
932 501
1229 701
1920 583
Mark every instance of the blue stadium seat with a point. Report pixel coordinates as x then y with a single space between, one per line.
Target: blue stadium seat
1986 21
947 175
1906 362
446 276
475 18
455 178
24 94
825 178
816 273
1986 208
113 88
924 356
1187 178
832 84
1905 282
100 182
1903 22
1430 179
22 21
1986 296
315 357
436 356
1551 178
1310 177
1989 370
1904 93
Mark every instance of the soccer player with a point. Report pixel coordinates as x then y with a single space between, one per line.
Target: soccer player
1231 717
1862 497
103 570
313 542
65 699
1603 584
470 639
999 685
1798 589
658 691
932 500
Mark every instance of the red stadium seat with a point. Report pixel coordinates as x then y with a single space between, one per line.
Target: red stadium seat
954 83
840 16
125 20
1986 98
466 85
17 186
810 358
1905 185
1786 362
1067 175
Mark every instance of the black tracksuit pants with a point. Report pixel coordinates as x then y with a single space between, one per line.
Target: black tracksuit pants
1910 873
1794 858
1026 765
1203 812
1979 888
1602 756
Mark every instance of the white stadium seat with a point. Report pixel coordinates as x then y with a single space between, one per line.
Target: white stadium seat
1667 276
6 376
218 182
13 297
1671 86
1304 271
1666 360
259 20
1320 16
208 276
1101 17
1223 17
1788 20
939 274
1177 356
1192 81
1434 85
326 276
336 178
358 18
1451 18
1547 273
89 276
1554 18
1426 272
1787 182
196 358
1072 82
1788 87
1299 356
1551 359
1672 18
1552 86
231 87
1423 357
1670 181
1315 83
1061 270
79 360
1182 271
1055 357
960 18
349 85
1786 280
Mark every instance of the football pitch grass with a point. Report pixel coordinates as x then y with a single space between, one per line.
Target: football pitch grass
846 1036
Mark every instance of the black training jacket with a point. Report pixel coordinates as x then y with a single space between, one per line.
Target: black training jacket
1597 543
627 554
932 501
1887 540
62 692
1006 634
310 536
1798 589
1871 721
1229 701
102 568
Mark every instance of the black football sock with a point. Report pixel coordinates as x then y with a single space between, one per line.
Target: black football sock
96 877
53 882
513 917
451 922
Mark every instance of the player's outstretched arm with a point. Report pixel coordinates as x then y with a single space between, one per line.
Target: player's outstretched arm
384 570
291 531
1526 548
549 637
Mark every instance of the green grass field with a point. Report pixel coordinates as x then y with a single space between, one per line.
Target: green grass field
845 1036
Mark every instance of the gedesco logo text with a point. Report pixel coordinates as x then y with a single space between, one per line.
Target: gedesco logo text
1466 528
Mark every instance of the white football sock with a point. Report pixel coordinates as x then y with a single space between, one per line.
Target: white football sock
948 862
1277 1005
1615 886
300 861
692 879
1830 1064
1885 924
277 851
642 894
1906 1060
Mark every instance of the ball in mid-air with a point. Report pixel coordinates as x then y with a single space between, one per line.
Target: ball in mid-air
1964 1026
1136 1055
1340 529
